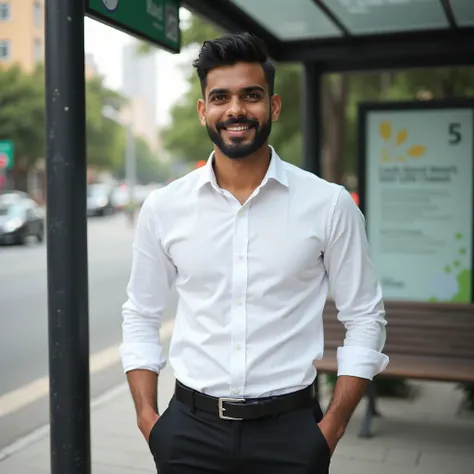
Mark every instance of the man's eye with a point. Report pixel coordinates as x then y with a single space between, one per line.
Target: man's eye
254 96
218 98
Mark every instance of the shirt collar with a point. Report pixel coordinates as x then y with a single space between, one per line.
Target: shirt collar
276 171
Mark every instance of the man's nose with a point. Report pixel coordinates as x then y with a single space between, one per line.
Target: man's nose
236 108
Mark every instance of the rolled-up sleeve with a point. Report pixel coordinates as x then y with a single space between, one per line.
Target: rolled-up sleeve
356 291
152 275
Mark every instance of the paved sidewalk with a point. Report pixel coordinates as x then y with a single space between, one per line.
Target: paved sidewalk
424 436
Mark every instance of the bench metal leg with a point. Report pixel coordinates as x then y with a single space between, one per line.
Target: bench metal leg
372 399
370 411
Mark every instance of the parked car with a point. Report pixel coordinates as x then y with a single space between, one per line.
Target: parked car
119 198
20 219
13 196
99 200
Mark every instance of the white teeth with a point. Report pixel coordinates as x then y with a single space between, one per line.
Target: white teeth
237 129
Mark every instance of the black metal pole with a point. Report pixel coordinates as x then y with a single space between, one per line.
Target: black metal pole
312 117
67 238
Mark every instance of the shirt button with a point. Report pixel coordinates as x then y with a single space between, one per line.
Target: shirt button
235 391
238 347
240 258
239 302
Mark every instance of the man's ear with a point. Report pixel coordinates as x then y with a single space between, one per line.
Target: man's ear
201 109
276 107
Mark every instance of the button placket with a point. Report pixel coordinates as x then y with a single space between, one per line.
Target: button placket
239 289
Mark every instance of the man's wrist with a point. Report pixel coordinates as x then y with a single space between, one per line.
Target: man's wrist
336 421
145 414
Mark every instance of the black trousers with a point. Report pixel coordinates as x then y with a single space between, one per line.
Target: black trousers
189 441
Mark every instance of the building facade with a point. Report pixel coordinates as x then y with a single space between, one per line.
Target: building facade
139 76
21 33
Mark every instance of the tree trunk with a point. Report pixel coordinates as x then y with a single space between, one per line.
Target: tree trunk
446 86
335 94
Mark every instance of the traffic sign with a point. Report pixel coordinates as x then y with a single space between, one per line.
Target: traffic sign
6 154
156 21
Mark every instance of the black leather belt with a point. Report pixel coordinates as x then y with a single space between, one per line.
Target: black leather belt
245 409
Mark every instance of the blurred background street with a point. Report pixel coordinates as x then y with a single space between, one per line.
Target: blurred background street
23 318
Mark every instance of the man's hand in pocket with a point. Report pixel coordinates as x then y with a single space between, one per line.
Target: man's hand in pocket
146 422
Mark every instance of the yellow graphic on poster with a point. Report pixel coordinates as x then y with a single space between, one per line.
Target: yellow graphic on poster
419 202
393 150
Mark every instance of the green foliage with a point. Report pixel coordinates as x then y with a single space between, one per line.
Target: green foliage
438 83
186 138
286 134
22 117
199 31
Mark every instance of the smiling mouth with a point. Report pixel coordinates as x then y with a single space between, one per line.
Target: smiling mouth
238 130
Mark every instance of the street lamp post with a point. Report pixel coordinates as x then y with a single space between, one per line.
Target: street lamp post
66 163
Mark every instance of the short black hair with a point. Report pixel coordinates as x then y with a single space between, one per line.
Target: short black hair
232 49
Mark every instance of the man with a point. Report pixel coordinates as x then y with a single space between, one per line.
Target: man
253 245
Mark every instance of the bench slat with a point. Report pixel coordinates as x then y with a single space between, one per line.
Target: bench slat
424 341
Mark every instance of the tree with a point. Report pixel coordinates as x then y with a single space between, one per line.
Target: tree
22 117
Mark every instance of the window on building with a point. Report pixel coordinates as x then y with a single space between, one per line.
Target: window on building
38 50
4 11
38 14
4 50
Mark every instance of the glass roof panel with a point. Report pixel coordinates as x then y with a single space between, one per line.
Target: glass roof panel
463 12
290 19
389 16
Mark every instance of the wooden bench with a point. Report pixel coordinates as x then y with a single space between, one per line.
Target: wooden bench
424 341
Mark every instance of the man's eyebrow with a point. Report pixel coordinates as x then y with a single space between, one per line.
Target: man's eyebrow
244 89
218 91
254 88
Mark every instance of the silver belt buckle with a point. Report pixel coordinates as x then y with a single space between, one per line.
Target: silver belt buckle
222 409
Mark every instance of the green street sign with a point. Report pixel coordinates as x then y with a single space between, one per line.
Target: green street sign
6 154
155 21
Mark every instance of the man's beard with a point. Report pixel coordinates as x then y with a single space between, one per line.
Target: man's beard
237 149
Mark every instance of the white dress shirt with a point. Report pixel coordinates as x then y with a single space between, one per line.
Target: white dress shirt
252 282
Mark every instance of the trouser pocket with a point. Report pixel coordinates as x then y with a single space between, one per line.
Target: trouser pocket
317 416
160 440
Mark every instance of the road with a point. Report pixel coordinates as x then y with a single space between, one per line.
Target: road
24 401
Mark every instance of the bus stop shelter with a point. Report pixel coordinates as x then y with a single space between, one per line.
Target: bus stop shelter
324 35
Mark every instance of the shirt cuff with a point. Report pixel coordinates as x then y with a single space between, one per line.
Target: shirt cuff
142 356
360 362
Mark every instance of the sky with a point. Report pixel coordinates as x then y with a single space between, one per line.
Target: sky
105 43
